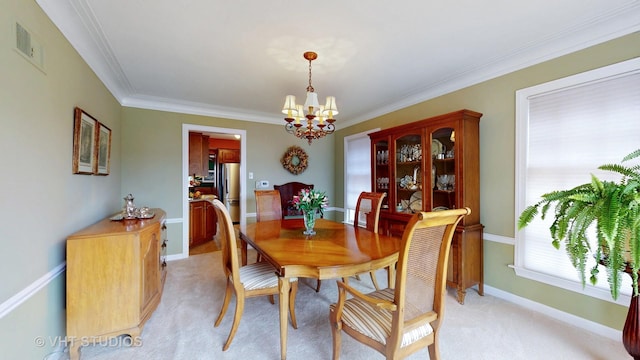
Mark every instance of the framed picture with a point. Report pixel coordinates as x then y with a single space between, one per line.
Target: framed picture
85 132
103 155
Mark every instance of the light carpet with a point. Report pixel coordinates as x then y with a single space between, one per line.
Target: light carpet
485 327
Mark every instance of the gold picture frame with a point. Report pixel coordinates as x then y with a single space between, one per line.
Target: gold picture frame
85 133
103 152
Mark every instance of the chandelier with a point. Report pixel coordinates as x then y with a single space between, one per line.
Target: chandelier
318 120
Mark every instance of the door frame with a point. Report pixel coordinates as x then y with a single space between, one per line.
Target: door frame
186 128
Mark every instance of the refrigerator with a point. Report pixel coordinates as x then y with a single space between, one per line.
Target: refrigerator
229 189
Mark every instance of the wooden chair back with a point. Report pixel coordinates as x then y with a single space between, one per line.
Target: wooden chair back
228 247
422 274
398 322
367 213
268 205
287 191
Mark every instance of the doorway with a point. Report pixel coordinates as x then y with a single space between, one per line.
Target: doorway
211 131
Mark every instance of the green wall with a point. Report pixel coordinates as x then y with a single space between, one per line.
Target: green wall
496 100
41 201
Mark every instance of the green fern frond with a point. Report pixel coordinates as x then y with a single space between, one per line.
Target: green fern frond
608 217
593 279
545 209
616 168
631 156
596 184
527 216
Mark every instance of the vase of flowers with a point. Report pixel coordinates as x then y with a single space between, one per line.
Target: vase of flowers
311 202
309 222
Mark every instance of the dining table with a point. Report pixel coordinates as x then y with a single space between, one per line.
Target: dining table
337 250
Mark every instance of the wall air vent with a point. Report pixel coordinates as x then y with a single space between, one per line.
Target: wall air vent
29 46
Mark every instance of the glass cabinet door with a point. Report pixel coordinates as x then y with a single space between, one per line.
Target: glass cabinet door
380 151
408 181
443 169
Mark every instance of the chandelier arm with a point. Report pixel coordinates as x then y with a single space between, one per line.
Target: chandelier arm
291 129
330 128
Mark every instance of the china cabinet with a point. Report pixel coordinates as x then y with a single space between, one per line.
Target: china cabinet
430 165
115 276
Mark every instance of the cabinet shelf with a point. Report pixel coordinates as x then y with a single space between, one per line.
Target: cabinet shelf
448 192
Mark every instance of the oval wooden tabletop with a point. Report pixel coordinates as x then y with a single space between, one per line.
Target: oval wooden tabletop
335 250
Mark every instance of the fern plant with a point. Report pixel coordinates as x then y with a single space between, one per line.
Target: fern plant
614 208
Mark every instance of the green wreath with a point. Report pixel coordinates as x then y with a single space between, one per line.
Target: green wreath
295 160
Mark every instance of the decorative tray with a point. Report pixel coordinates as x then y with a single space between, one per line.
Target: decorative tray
120 217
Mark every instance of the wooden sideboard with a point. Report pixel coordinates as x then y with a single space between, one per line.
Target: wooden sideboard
115 277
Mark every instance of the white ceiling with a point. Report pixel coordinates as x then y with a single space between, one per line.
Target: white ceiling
238 59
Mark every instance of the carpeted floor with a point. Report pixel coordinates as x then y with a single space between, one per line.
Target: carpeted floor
485 327
209 246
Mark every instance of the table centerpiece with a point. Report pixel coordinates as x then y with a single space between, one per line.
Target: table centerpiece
310 202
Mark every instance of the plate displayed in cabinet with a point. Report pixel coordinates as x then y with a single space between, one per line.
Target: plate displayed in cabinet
415 202
436 147
404 182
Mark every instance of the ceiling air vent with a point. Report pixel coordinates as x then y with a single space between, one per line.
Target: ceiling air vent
29 47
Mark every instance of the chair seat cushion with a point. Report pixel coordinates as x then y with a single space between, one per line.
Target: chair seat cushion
259 275
374 322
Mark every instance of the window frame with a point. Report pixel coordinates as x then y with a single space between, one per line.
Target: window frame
349 213
523 97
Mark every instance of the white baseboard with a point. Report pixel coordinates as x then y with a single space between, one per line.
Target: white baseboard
556 314
499 239
176 257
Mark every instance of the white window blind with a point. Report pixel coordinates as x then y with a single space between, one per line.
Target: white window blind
565 130
357 171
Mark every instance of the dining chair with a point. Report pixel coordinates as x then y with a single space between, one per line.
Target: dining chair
268 207
287 192
367 215
398 322
258 279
